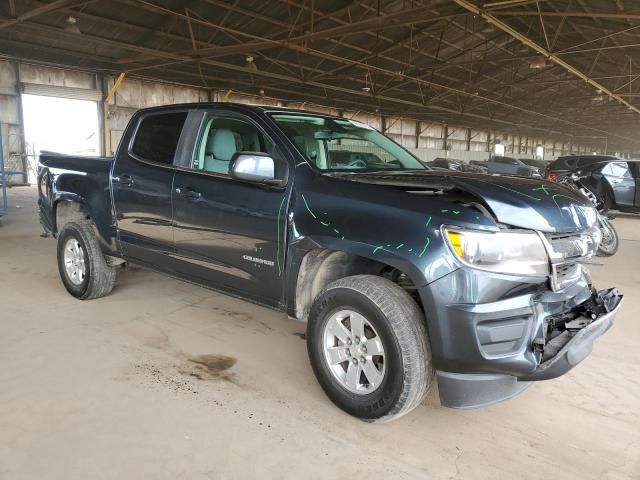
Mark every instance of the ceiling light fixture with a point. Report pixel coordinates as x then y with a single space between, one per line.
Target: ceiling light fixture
366 88
538 62
488 28
250 63
71 26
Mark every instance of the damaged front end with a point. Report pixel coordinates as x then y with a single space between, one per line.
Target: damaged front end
498 331
506 293
568 337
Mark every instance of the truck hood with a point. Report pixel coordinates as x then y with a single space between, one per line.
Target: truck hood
516 201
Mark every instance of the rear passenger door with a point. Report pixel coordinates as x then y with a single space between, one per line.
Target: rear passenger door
142 182
229 234
622 182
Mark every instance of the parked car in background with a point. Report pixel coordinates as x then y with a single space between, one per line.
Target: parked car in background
458 165
615 182
511 166
569 163
541 165
430 165
479 163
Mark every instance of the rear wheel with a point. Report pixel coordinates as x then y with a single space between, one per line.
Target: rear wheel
368 347
82 266
607 201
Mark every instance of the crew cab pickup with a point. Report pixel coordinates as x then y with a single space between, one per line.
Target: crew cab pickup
405 276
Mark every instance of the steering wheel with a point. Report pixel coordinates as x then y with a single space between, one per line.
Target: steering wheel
357 162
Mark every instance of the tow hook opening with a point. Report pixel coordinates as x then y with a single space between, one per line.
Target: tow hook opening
560 329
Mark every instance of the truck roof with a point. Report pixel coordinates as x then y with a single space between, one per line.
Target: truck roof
233 106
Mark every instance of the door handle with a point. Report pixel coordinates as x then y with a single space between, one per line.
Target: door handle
124 180
188 192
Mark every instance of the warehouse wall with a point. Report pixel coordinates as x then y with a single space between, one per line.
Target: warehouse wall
134 94
427 140
10 121
43 80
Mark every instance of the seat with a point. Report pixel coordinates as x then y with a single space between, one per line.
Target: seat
220 148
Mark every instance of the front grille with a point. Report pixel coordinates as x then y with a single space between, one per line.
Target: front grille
564 275
566 252
564 248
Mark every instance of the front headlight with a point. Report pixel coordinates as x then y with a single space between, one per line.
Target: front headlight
514 253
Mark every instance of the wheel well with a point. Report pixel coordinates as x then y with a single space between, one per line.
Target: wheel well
602 190
66 212
608 191
320 267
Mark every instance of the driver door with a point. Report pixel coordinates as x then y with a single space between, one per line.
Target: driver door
229 234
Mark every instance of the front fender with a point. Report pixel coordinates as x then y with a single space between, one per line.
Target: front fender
402 232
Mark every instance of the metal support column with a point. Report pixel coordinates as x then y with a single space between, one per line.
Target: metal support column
445 138
4 209
106 127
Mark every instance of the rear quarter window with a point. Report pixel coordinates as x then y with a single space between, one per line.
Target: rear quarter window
157 137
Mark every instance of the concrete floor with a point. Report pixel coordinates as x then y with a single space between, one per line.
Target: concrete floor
165 380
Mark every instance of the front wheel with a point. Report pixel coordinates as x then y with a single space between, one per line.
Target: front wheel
368 347
609 243
82 266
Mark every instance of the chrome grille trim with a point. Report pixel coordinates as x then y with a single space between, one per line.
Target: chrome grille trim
566 252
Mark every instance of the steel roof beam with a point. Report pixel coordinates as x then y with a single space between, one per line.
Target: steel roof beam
328 86
260 42
546 13
49 7
540 49
598 49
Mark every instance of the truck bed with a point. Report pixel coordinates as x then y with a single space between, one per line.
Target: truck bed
75 178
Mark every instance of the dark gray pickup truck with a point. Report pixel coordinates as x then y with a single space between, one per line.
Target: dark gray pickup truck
404 274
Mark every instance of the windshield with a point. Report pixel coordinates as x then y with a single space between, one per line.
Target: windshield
335 144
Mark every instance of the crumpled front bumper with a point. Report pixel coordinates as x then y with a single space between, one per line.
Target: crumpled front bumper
489 333
578 347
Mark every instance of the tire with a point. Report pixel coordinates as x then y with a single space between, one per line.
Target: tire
404 372
607 202
89 276
610 243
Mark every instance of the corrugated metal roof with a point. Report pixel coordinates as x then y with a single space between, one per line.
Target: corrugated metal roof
432 60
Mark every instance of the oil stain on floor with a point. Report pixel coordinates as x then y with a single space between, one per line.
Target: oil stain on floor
211 367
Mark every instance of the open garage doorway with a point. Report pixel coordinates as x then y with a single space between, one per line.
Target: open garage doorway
61 125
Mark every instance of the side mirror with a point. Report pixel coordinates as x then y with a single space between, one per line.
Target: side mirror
254 167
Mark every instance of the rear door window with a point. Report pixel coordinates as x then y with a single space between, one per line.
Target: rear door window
506 160
157 137
617 169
